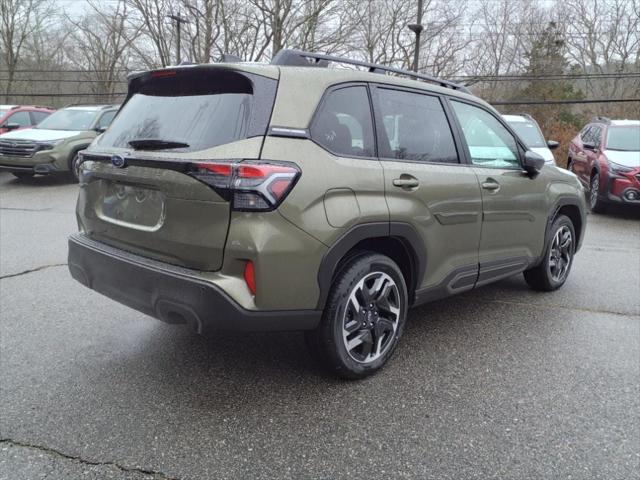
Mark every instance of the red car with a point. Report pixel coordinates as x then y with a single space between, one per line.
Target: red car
15 117
605 156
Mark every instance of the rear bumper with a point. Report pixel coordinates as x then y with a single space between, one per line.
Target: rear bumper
172 294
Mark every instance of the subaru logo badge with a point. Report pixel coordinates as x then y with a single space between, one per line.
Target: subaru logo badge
118 161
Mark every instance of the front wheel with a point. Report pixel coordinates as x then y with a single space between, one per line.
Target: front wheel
74 167
595 202
364 317
556 264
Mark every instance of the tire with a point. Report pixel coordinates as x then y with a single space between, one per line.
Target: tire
557 261
22 175
570 166
366 309
596 204
74 168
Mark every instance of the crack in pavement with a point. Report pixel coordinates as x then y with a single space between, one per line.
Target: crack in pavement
123 468
552 305
31 270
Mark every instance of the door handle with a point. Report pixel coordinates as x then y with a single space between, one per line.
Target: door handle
406 181
491 185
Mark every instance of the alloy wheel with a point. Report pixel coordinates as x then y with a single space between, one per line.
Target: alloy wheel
593 191
561 253
371 317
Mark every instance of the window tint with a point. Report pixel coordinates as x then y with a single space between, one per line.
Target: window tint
343 124
594 135
490 143
105 119
415 128
38 117
21 118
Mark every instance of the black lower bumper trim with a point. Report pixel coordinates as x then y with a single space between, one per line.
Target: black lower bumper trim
172 296
40 169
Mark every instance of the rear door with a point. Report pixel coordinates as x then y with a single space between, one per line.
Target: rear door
514 207
428 186
140 194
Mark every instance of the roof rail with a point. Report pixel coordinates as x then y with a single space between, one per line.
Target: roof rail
308 59
525 115
606 120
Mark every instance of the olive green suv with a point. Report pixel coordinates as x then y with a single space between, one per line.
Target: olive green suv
293 196
52 146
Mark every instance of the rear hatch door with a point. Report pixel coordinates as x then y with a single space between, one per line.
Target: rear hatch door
136 192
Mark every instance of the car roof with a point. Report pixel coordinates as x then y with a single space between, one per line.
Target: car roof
622 123
8 107
516 118
305 86
90 108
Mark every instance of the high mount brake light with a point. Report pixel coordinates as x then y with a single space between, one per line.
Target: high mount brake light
163 73
250 186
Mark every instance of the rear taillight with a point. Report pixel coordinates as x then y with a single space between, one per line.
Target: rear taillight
250 186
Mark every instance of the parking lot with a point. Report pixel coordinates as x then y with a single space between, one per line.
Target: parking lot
502 382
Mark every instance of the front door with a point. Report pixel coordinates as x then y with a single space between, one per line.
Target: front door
428 187
514 209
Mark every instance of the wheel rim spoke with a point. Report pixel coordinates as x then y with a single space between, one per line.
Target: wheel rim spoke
560 253
371 317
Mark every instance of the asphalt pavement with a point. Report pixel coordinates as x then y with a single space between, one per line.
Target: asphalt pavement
501 382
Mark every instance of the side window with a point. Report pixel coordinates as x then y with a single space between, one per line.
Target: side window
343 123
490 143
416 127
37 117
21 118
105 119
595 135
584 135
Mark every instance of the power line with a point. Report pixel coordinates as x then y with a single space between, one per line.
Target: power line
55 95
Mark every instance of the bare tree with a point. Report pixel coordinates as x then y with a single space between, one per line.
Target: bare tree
154 47
100 41
604 37
20 19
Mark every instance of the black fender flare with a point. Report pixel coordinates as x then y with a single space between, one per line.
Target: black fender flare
553 212
404 232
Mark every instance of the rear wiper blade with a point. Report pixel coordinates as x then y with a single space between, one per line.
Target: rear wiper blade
155 144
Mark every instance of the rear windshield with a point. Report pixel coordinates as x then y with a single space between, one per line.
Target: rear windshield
69 120
529 133
198 109
624 138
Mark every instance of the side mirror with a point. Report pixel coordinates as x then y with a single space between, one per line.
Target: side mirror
11 126
588 146
552 144
533 162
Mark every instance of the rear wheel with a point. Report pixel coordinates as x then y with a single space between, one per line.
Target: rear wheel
364 317
554 269
596 204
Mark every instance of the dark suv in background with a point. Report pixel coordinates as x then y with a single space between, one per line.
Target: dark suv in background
605 156
293 197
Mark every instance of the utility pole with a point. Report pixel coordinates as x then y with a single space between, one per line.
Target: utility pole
179 20
417 29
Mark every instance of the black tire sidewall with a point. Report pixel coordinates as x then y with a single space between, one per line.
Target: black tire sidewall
559 222
353 272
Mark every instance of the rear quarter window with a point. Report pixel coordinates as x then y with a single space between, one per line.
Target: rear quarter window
343 123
